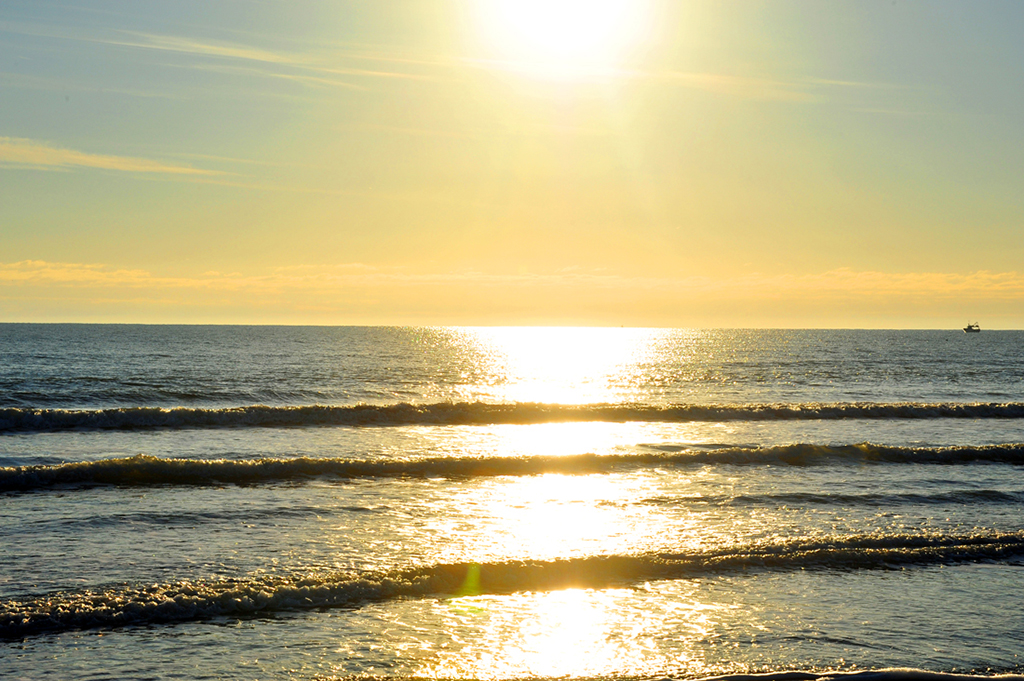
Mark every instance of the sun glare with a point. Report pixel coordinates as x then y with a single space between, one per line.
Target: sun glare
563 365
560 38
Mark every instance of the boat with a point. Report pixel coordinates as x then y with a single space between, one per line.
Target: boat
972 328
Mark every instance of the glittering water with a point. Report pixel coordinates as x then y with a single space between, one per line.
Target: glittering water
277 502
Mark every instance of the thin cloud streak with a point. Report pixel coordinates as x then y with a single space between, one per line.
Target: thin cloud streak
312 62
27 153
797 89
317 82
415 132
840 283
737 86
316 63
177 44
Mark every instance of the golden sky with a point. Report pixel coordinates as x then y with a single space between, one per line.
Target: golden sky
644 162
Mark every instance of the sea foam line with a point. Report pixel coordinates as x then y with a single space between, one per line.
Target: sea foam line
143 470
476 413
887 674
184 601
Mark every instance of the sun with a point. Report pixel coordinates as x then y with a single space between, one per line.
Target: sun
563 37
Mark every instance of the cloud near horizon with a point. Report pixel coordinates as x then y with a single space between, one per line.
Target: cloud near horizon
843 282
356 293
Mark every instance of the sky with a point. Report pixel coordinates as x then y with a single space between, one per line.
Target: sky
706 163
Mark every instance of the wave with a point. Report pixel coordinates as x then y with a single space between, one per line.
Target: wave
959 497
143 470
163 603
477 413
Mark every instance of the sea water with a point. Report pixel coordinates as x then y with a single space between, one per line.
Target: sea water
313 503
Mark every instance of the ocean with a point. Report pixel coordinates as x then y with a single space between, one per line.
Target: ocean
248 502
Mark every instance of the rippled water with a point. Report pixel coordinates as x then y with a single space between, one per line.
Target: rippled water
277 502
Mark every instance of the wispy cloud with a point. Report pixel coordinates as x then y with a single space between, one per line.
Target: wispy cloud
746 87
898 112
65 85
840 283
15 151
847 283
312 66
795 89
414 132
855 84
34 290
42 272
308 78
313 62
213 49
244 161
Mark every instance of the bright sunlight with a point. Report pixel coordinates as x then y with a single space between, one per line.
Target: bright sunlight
563 38
564 365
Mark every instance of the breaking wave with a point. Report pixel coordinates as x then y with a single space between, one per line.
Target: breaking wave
477 413
149 470
162 603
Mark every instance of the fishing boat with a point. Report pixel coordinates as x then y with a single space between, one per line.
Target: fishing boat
972 328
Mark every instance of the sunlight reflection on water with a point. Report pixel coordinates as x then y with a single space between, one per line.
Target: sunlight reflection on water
577 632
563 365
545 517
